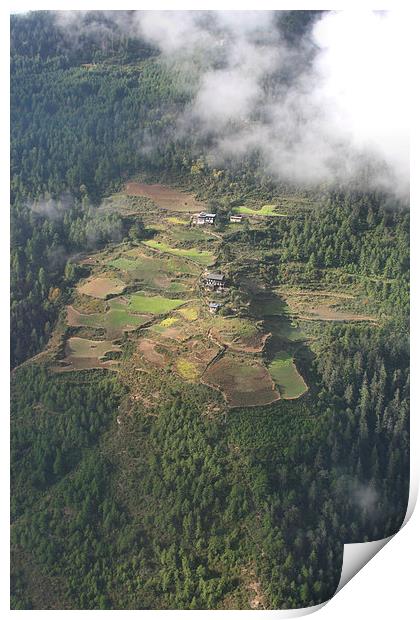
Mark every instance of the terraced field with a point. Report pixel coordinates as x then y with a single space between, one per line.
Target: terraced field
286 376
265 210
165 197
203 257
153 304
115 321
82 354
244 383
102 287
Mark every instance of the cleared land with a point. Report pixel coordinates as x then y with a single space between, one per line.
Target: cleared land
148 350
115 321
286 376
185 234
102 287
244 383
157 272
165 197
190 313
199 256
156 304
82 354
270 210
239 334
322 306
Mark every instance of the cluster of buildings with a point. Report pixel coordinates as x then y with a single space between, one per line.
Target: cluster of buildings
203 218
216 282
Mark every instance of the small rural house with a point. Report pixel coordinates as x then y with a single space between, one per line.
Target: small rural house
235 219
215 280
214 307
204 218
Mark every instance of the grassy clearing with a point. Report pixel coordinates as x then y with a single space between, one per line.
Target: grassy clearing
199 256
156 304
186 369
177 221
191 313
165 324
124 264
102 287
325 306
190 234
286 376
269 210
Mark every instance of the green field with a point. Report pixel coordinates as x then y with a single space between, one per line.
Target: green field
125 264
265 210
117 320
199 256
190 234
156 304
286 376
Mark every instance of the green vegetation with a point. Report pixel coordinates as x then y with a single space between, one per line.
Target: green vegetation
200 256
156 304
264 210
286 375
142 488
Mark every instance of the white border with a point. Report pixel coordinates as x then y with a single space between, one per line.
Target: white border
387 586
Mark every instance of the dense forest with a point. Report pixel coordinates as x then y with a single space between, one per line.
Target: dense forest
180 509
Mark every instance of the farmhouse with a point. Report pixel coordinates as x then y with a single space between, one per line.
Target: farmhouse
235 219
204 218
214 307
215 280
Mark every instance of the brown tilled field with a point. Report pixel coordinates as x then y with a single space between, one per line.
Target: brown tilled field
165 197
148 351
82 354
102 287
244 384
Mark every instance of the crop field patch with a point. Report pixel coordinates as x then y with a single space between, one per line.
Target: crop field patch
190 234
265 210
323 306
82 354
165 197
162 275
102 287
203 257
286 376
244 383
177 221
115 321
187 369
190 313
79 319
153 304
239 334
144 266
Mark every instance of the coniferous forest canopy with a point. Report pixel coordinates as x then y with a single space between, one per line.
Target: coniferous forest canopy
135 487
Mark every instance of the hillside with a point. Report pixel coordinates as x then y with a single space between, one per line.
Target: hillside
177 443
